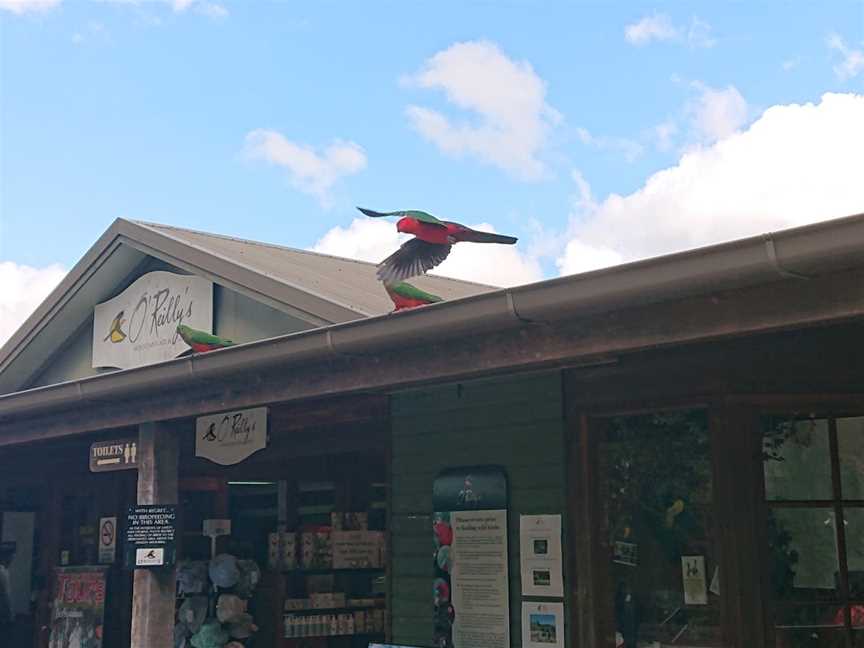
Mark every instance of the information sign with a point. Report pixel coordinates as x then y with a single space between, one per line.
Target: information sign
151 531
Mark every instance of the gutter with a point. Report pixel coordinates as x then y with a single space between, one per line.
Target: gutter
798 253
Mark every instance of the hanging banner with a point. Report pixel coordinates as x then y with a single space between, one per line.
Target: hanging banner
139 326
231 437
471 589
540 555
79 607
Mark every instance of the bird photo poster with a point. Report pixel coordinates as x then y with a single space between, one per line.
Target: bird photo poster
471 587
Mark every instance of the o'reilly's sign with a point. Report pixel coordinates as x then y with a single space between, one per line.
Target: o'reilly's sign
139 326
230 437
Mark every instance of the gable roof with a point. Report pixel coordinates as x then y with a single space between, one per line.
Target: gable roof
317 289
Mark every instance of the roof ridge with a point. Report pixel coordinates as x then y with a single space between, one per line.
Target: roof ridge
291 249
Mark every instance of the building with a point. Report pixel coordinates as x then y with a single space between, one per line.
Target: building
693 422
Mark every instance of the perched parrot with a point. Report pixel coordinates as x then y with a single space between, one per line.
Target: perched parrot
115 332
404 295
200 341
431 245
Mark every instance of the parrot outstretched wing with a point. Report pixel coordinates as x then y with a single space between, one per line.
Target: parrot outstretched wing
462 233
409 213
415 257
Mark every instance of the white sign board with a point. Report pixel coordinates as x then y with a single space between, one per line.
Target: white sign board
540 555
693 577
139 326
107 540
231 437
150 557
542 625
480 591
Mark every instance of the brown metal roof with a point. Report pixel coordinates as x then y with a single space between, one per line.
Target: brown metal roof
316 289
347 282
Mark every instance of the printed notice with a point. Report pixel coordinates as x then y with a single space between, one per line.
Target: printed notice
542 625
151 535
540 555
693 576
480 589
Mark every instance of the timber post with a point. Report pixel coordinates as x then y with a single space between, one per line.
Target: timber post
154 589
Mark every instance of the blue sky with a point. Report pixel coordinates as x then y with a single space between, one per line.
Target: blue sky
150 110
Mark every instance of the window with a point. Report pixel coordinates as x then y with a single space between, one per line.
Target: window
814 491
660 535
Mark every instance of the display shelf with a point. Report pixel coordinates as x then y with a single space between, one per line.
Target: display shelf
315 611
333 570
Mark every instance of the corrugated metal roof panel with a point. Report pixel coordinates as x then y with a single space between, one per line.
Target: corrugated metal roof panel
348 282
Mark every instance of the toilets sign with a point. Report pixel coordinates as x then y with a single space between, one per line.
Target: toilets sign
120 454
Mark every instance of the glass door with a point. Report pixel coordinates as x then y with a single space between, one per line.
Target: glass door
659 541
814 495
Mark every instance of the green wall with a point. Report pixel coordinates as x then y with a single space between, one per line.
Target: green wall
513 422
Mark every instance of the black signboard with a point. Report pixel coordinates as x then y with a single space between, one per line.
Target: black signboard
151 531
119 454
470 489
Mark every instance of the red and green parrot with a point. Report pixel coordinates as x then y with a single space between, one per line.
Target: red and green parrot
200 341
404 295
431 244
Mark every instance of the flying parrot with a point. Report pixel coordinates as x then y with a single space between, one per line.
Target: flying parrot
404 295
431 245
200 341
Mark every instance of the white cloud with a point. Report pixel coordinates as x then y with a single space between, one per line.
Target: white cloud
203 7
660 28
790 64
717 112
852 63
309 171
26 6
664 133
510 119
796 164
373 240
630 149
24 288
657 27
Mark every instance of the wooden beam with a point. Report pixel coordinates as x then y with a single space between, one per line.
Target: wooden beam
154 589
779 306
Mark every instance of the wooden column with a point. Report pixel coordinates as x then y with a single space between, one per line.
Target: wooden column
153 590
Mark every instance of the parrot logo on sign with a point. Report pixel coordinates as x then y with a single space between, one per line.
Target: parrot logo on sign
115 332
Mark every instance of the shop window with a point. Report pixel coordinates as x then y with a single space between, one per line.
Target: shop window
814 491
656 491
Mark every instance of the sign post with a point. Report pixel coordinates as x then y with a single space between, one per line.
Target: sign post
154 589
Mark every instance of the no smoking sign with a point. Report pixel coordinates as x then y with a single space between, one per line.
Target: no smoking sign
107 540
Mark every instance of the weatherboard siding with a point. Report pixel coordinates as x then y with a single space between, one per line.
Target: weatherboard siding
513 422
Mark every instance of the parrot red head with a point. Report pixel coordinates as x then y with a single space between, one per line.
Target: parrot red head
407 225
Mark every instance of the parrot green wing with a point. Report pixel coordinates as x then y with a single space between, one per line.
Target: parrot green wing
201 337
413 292
410 213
